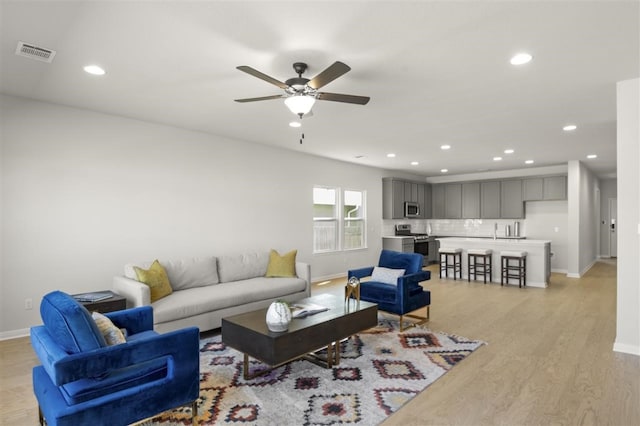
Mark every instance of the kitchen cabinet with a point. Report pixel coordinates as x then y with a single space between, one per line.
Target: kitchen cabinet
395 192
453 200
511 202
532 189
545 188
437 201
392 199
401 244
490 200
555 188
471 200
427 210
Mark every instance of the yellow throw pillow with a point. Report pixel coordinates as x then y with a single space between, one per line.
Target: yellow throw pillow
112 334
157 280
282 266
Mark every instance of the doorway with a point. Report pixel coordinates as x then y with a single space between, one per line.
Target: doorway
613 225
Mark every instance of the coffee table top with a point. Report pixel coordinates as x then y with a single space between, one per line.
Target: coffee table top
256 320
249 334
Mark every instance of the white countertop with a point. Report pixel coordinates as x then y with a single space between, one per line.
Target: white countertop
486 241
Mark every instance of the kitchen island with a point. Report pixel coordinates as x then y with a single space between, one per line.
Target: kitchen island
538 256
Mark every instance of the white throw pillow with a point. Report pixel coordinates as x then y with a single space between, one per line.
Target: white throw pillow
386 275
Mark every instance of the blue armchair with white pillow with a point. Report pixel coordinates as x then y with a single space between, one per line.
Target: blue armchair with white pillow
91 374
395 285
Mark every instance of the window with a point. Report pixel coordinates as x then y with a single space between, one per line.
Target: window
339 220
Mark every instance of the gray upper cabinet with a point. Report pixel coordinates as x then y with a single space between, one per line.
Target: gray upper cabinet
392 199
490 200
427 210
437 201
511 202
555 188
471 200
545 188
395 192
532 189
453 200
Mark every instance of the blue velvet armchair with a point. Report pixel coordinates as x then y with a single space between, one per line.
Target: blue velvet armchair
402 295
83 381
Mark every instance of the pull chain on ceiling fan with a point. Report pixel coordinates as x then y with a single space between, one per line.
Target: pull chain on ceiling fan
301 93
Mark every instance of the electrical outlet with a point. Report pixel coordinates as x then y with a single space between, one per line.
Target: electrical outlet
28 303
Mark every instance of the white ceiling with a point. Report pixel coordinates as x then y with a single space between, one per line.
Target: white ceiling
437 73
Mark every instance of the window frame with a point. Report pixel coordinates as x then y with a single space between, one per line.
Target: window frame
341 220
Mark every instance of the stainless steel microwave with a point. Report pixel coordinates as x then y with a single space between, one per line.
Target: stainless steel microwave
411 209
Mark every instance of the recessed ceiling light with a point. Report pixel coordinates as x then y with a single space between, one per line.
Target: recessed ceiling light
592 156
391 155
414 163
528 162
445 147
444 170
569 127
509 151
94 69
295 124
521 59
497 158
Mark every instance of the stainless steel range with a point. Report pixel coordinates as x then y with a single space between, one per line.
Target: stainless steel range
424 244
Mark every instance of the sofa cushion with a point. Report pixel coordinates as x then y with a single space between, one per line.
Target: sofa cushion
70 323
386 275
242 266
282 266
112 334
157 280
195 301
183 273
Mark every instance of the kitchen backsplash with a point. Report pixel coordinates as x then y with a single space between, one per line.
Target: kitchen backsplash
456 227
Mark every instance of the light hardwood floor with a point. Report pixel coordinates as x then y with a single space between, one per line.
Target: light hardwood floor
548 358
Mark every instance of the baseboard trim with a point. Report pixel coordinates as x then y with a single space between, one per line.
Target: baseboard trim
627 349
573 275
316 280
14 334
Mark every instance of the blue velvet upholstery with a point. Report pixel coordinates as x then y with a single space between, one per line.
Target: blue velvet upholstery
404 297
82 381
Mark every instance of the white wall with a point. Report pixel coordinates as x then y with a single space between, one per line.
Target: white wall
547 220
628 156
83 193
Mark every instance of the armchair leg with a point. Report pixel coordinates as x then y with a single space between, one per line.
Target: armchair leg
40 416
194 412
421 320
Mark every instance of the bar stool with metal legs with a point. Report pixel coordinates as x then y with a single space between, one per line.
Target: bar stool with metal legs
479 263
455 254
510 270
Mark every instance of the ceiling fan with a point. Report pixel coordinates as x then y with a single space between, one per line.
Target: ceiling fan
301 93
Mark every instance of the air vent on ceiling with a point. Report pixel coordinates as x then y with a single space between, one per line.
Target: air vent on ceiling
35 52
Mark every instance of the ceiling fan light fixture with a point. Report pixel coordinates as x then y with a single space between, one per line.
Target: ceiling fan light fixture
300 104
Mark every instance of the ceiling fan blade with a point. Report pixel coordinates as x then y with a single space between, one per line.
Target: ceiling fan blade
328 75
338 97
261 76
262 98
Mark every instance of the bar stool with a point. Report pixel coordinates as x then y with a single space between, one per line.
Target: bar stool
456 266
476 267
511 270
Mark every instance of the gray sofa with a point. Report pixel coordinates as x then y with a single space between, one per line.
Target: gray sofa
207 289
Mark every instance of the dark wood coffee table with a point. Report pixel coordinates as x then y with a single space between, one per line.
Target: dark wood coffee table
248 332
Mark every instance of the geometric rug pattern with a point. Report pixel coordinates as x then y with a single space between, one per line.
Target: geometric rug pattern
380 370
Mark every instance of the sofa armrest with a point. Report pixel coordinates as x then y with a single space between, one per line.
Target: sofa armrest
136 293
360 273
303 271
180 346
135 320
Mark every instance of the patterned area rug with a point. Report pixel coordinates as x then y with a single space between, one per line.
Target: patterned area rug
379 371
